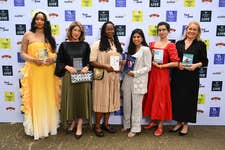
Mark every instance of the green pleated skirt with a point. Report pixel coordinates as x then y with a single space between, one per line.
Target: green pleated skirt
75 101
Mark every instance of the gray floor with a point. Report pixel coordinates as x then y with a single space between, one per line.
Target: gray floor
199 138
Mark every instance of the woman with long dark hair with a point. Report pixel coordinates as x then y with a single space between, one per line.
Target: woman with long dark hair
135 82
40 88
106 92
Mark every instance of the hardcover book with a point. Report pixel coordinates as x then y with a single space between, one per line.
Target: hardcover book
130 62
187 59
77 63
158 56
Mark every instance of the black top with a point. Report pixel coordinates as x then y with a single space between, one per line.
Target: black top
198 48
68 51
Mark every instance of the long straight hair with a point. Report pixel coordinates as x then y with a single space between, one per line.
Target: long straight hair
132 46
47 30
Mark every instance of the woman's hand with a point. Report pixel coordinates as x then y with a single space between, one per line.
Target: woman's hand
37 61
108 68
180 66
84 69
192 67
50 60
156 64
130 73
71 70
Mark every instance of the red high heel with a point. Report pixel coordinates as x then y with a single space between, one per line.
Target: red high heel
158 131
150 125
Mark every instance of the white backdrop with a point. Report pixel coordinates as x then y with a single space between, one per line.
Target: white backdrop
16 15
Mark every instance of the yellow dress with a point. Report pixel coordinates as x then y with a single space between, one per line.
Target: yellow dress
40 95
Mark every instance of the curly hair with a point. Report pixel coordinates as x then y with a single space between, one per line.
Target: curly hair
47 30
72 25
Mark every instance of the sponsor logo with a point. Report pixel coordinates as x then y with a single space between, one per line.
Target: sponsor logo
219 58
220 44
217 85
53 3
103 15
10 108
53 15
4 15
120 3
122 43
9 96
86 15
37 1
221 3
186 15
218 73
220 30
69 1
201 99
88 30
120 30
19 58
154 3
171 16
137 16
138 1
203 72
3 0
171 1
19 42
19 16
200 111
215 98
5 43
7 71
20 29
172 30
3 29
19 3
154 15
221 17
103 0
70 15
207 1
204 30
206 16
201 86
119 112
6 56
7 83
214 111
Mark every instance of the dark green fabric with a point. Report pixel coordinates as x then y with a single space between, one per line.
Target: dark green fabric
75 101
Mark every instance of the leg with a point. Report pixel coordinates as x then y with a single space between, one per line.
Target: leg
159 130
177 127
184 130
106 125
78 133
98 131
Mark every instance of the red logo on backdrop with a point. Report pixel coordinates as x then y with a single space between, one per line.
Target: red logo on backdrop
19 42
205 1
154 15
200 111
220 44
53 15
10 108
122 43
6 56
215 98
172 30
103 0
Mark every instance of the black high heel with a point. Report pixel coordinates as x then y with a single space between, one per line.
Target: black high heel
178 129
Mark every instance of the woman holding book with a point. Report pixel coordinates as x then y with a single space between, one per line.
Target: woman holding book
73 57
135 81
40 88
185 78
157 102
106 56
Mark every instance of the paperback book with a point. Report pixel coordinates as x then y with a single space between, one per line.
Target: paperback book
187 59
130 62
158 56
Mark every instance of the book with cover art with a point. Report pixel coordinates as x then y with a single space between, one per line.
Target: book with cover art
187 59
77 63
115 62
42 53
130 62
158 56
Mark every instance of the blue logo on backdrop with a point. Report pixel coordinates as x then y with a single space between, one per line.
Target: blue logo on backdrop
70 15
88 30
221 3
19 3
19 58
120 3
119 112
171 16
214 112
183 29
219 58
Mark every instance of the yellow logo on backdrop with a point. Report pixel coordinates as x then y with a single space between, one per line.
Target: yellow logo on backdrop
201 99
152 30
189 3
5 43
9 96
207 44
55 29
137 16
86 3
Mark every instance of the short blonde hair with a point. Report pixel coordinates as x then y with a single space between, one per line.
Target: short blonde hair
199 30
72 25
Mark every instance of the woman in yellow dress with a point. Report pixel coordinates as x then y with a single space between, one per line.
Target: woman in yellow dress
40 96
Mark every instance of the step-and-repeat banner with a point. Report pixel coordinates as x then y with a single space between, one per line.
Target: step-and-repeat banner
16 15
